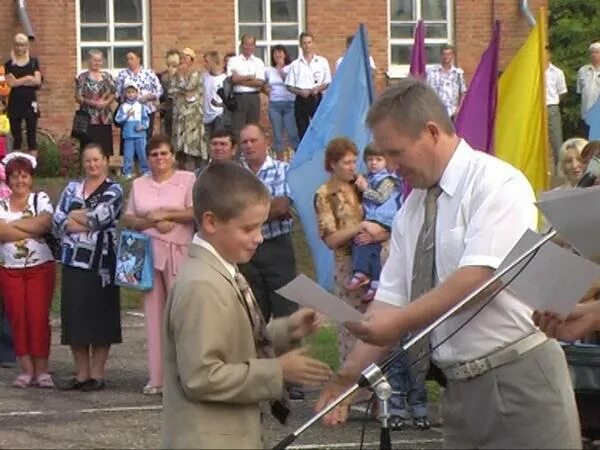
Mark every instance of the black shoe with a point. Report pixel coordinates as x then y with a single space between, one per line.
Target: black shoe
92 385
422 423
295 393
73 385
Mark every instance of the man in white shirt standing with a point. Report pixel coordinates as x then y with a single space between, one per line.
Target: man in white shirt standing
588 85
448 81
213 104
556 86
308 78
247 74
508 385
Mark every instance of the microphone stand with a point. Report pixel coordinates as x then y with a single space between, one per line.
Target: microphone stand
373 375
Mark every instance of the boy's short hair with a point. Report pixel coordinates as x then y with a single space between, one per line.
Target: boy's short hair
371 150
214 56
225 190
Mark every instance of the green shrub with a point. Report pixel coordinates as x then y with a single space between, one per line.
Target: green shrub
70 161
573 26
48 157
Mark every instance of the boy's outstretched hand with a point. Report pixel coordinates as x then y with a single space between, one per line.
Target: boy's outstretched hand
304 322
298 368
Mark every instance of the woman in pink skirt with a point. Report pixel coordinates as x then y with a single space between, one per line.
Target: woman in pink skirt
160 205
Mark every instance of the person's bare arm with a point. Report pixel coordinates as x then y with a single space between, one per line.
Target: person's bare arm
384 329
247 80
280 206
36 226
9 233
171 214
341 237
137 223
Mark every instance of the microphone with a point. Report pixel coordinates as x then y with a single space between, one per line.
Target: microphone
591 174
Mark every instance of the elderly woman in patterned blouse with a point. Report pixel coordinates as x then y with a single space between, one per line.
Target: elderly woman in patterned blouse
95 92
86 220
150 88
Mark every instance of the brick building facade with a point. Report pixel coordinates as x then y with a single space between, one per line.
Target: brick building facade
64 29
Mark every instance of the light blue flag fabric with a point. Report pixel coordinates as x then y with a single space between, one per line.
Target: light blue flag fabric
592 118
342 113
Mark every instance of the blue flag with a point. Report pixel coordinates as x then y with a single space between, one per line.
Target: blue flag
342 113
592 118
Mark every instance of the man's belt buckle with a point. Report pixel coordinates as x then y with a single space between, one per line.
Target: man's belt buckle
475 368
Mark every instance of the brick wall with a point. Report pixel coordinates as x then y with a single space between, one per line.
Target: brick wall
205 25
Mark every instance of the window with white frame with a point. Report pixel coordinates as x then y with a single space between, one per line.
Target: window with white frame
403 17
272 22
114 27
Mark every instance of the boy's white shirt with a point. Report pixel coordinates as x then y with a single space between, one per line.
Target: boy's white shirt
208 246
137 110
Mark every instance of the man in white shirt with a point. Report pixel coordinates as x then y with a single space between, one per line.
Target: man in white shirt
308 78
588 85
247 73
448 81
508 385
349 40
213 104
555 87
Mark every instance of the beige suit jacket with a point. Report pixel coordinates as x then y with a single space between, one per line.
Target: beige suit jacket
214 381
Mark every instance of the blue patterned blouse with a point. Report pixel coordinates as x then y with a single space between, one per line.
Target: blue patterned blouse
94 249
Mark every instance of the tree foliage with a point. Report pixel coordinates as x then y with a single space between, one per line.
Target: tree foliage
573 26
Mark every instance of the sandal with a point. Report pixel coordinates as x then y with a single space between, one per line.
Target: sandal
22 381
397 423
152 390
422 423
358 280
369 296
44 381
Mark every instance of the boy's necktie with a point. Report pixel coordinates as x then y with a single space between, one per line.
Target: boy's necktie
264 345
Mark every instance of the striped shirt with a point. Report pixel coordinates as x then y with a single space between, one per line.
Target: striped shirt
273 175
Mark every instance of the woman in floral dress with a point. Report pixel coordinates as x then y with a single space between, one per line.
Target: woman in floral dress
95 92
187 91
340 218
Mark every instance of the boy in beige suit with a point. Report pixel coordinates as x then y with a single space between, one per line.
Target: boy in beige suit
220 361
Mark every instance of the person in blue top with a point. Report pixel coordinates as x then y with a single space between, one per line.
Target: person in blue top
381 198
135 120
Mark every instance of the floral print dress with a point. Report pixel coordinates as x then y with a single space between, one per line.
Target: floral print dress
188 128
337 209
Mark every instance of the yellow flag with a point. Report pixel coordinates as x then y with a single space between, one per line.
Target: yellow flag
521 128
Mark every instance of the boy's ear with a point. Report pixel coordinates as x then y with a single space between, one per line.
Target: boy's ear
209 222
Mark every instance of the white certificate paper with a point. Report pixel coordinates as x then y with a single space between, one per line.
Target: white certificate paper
305 292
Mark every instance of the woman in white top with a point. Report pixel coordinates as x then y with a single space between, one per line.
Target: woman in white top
27 270
281 102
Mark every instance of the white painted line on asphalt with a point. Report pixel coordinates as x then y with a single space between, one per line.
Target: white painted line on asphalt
82 411
411 442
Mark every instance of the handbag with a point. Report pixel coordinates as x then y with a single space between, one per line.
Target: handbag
81 122
52 241
135 266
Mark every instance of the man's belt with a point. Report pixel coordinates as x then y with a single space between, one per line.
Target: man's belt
506 355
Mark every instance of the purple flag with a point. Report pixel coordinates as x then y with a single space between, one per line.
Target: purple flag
418 56
475 119
418 62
